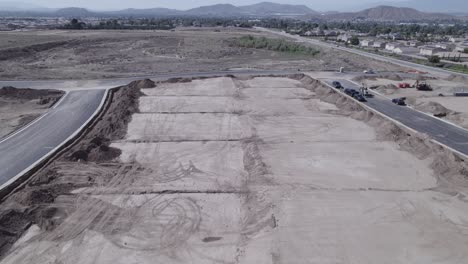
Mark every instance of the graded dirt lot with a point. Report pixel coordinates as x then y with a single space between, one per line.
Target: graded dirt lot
104 54
18 107
230 170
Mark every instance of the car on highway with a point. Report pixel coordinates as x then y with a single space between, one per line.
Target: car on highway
399 101
349 91
359 97
337 85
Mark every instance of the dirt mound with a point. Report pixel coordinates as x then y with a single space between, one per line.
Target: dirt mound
391 76
457 78
142 84
434 108
387 89
28 94
111 126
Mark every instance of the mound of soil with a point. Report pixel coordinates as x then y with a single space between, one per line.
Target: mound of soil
28 94
387 89
111 126
146 83
434 108
456 78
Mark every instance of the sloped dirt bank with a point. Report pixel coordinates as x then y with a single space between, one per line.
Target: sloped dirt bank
34 202
19 107
451 169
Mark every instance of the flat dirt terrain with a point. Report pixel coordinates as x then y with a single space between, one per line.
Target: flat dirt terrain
105 54
230 170
18 107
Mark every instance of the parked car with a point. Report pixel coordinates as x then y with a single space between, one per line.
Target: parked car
368 72
337 85
399 101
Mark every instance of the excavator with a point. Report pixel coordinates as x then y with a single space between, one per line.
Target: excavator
422 86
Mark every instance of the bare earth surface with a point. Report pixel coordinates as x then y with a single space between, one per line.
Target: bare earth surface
260 170
103 54
19 107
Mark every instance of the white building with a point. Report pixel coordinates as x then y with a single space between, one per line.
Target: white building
344 37
429 50
405 50
367 43
379 44
391 46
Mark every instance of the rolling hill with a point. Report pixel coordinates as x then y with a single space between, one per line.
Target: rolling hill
389 13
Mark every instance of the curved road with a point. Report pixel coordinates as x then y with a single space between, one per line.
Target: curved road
30 145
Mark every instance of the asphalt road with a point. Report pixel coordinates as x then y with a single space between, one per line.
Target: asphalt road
431 70
19 151
443 132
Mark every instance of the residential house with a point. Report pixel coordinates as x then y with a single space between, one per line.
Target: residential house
461 47
391 46
405 50
344 37
366 43
379 44
414 44
330 33
429 50
445 46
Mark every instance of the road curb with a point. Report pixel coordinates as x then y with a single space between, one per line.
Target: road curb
398 123
21 179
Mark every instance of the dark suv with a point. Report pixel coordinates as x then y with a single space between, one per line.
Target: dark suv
337 85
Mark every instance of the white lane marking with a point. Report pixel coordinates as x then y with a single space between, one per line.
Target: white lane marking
12 180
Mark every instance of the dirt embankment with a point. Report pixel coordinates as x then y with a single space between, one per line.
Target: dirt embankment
35 202
13 53
451 169
18 107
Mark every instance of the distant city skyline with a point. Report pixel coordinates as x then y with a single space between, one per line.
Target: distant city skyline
319 5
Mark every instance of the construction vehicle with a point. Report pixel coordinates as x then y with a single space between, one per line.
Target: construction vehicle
404 85
422 86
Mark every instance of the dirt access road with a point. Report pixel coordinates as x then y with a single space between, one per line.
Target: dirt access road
230 170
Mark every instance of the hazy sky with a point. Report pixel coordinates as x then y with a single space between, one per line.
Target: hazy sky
320 5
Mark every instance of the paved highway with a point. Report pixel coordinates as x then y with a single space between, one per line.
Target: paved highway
34 143
432 70
443 132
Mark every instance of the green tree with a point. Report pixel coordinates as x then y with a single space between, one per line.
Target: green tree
354 41
434 59
465 50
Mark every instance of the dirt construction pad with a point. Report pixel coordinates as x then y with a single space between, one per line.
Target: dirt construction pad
257 170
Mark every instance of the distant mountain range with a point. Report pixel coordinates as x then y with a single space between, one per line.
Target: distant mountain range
389 13
219 10
264 9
